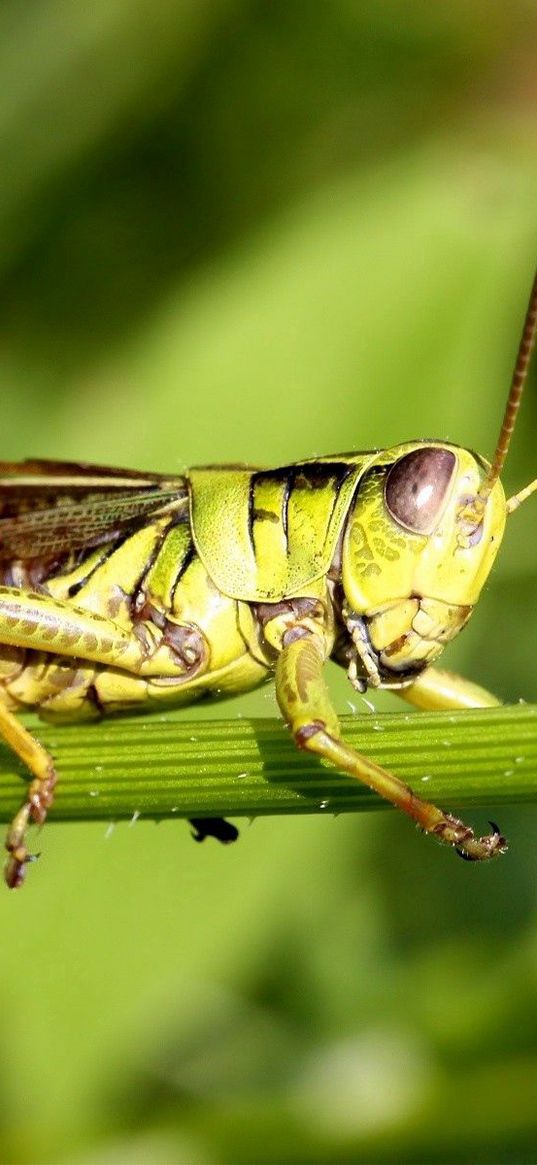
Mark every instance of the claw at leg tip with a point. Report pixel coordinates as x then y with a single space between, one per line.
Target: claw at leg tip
15 867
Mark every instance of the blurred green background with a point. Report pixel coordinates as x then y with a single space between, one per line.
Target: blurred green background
254 230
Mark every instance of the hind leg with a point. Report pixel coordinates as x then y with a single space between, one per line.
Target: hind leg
39 797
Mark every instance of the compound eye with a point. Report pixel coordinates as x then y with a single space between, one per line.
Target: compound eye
416 488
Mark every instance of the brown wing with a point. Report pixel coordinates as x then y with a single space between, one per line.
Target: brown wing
48 508
26 484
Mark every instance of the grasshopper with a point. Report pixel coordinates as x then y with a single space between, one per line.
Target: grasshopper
122 590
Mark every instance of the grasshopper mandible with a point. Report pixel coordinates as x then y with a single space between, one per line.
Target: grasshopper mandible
123 590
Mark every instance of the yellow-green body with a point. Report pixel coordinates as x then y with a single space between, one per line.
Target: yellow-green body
188 592
230 575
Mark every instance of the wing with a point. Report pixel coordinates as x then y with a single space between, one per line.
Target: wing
49 508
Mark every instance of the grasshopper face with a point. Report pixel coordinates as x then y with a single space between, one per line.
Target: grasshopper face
413 562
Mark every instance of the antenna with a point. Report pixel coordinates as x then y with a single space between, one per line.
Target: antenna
518 381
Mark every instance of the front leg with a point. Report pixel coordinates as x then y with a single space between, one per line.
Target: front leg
305 704
436 690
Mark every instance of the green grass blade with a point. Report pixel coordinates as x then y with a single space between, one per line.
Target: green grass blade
161 767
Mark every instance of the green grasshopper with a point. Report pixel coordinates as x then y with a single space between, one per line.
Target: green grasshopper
123 590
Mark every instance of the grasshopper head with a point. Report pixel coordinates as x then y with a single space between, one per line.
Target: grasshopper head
421 538
408 533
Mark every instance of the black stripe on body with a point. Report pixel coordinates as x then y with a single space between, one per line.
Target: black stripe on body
304 477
